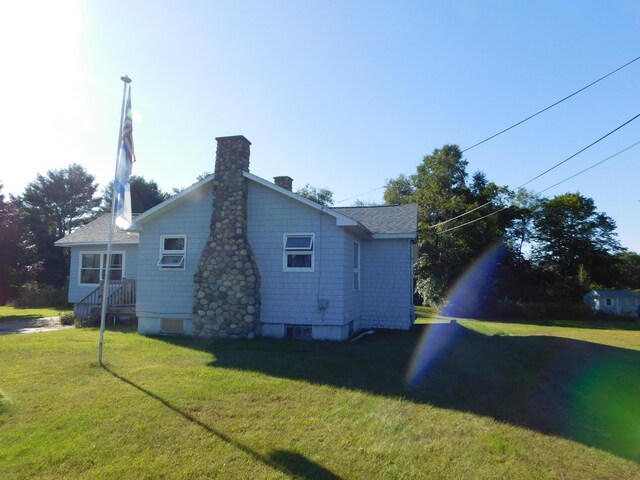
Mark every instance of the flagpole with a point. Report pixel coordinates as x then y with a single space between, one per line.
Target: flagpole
105 287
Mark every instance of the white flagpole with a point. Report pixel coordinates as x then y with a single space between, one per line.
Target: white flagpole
105 287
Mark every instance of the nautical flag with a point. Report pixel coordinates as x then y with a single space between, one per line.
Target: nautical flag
121 184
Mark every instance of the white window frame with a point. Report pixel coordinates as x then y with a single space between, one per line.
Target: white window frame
103 260
287 252
164 253
356 265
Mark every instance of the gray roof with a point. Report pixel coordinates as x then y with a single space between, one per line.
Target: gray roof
97 232
614 293
385 219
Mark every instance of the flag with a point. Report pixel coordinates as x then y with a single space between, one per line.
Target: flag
121 188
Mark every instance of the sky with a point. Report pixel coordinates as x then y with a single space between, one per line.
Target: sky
337 94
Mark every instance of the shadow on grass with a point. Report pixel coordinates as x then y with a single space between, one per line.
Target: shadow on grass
578 390
289 463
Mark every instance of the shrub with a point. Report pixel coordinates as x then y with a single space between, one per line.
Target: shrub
35 295
68 319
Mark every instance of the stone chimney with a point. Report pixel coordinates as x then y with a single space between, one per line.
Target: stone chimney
284 182
226 285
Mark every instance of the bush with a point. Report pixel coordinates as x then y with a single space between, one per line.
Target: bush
68 319
35 295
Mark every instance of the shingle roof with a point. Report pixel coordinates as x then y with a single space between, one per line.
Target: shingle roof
385 219
97 232
617 293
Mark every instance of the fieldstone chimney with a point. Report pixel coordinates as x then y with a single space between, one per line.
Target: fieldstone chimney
284 182
226 285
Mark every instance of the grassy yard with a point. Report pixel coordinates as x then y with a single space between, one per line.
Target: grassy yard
489 400
9 313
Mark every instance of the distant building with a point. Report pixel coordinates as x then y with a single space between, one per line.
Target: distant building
618 302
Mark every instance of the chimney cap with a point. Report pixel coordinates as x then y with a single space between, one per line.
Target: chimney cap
231 138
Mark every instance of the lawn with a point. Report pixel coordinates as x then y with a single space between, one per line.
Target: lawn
9 313
489 400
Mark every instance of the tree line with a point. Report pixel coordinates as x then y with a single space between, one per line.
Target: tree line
551 249
50 207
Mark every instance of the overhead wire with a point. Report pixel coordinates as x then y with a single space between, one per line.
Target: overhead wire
551 106
515 125
444 222
544 190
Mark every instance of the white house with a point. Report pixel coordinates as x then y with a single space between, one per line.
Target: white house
235 256
618 302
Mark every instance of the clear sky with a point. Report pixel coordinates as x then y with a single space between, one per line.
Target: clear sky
339 94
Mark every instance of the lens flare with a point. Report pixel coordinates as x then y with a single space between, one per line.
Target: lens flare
466 298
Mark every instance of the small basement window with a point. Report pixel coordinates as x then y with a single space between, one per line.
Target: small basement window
173 250
171 325
298 252
298 332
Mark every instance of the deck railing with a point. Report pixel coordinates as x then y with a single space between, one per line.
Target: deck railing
121 294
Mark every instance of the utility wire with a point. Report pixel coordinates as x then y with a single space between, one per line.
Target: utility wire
360 194
444 222
541 191
550 106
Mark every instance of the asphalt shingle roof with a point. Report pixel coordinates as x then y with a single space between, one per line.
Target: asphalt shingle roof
98 232
384 219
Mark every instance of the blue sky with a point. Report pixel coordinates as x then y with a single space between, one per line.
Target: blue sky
342 95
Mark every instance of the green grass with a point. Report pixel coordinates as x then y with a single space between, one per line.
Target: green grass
499 401
9 313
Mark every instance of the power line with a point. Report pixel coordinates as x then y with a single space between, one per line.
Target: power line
516 124
580 151
550 106
541 191
444 222
589 168
364 193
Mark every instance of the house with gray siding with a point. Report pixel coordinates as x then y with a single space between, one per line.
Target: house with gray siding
617 302
235 255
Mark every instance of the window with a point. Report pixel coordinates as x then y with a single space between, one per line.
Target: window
92 267
170 325
298 252
173 249
298 332
356 266
608 302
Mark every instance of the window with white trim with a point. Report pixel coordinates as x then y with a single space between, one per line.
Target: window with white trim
356 266
173 252
92 267
299 252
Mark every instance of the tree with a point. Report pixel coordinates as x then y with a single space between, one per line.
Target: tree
569 232
53 205
365 203
441 189
323 196
18 260
398 190
145 194
629 270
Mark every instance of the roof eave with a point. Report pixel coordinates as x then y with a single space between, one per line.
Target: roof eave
391 236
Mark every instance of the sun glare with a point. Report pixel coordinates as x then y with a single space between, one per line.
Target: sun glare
41 41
